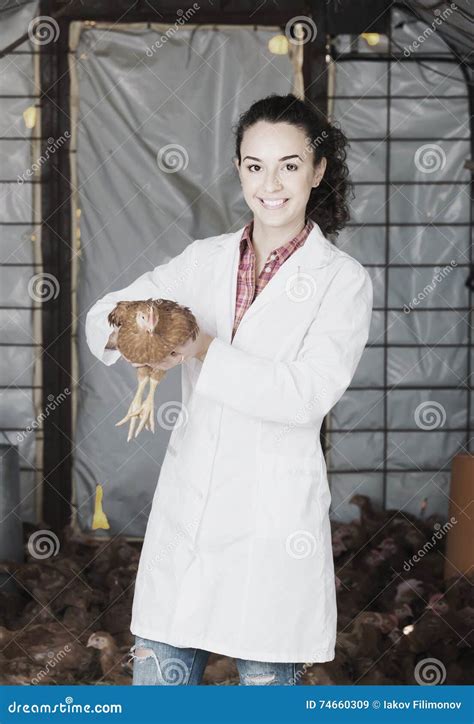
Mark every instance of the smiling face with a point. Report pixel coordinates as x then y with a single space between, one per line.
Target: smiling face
277 172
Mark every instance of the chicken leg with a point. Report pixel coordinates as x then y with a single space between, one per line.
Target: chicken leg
143 374
143 411
147 410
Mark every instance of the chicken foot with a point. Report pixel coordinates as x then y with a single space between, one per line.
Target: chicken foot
136 404
142 411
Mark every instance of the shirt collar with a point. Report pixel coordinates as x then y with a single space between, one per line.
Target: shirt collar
283 251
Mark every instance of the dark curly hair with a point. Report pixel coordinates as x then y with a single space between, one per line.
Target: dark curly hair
328 203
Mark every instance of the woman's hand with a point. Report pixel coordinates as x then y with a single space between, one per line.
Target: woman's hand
196 348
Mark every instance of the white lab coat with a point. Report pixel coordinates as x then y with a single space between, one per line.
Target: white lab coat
237 555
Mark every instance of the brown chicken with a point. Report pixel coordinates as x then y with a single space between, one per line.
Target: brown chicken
146 333
113 662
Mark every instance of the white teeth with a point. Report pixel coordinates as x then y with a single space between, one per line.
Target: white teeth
273 203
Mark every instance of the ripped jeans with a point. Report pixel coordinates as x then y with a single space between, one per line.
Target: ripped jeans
159 664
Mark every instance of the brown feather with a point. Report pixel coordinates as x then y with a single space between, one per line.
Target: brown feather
118 314
175 326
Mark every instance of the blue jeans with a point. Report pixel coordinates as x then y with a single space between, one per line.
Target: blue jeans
159 664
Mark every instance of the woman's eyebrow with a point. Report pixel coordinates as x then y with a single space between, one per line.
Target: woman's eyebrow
283 158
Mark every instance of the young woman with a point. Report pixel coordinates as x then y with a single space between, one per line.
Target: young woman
237 555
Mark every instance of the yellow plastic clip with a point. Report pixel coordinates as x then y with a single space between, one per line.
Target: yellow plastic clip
100 519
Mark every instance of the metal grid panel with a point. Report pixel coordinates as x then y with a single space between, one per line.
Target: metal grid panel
20 257
409 410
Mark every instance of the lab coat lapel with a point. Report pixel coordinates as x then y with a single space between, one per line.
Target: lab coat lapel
225 283
316 252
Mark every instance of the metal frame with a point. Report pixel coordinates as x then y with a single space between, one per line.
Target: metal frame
57 252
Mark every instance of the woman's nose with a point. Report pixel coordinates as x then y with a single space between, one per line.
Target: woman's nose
272 183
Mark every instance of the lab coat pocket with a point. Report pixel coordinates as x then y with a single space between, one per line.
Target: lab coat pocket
289 502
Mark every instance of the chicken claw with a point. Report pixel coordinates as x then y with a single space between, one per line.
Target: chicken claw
141 412
147 411
135 406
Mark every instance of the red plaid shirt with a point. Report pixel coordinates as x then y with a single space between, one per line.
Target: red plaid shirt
247 289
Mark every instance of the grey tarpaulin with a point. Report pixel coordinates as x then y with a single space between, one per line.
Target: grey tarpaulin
133 98
417 419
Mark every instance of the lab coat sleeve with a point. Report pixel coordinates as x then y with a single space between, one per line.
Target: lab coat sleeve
173 280
302 391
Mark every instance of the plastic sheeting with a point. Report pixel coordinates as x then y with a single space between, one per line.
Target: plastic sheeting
132 99
425 426
17 212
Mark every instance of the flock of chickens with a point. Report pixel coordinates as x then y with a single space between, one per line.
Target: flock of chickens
65 619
